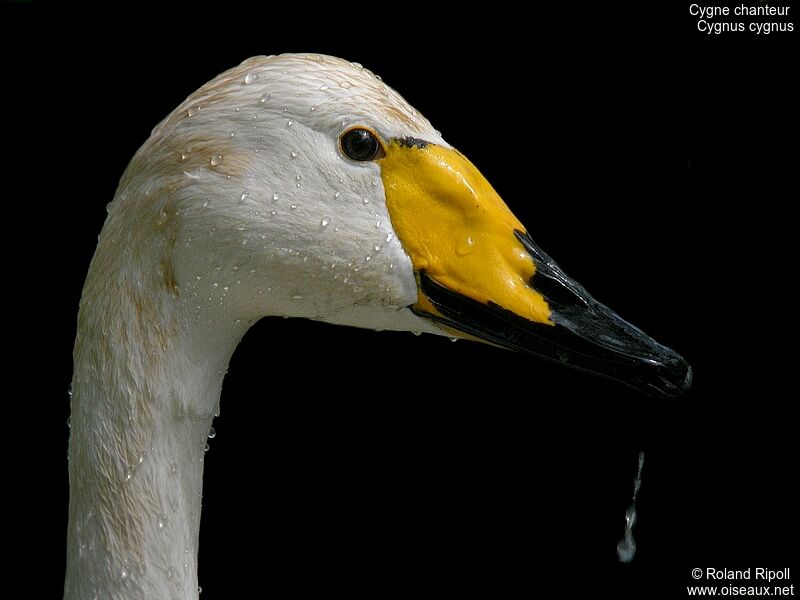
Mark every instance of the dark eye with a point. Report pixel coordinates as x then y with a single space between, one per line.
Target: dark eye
361 145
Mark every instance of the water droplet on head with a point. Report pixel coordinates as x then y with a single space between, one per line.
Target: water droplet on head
293 154
346 85
322 88
193 110
162 521
216 159
289 123
250 78
337 194
325 221
245 194
293 205
240 227
275 196
265 97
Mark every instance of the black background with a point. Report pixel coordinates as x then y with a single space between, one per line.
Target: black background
649 159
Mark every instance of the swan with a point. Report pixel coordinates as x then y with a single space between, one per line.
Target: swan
300 186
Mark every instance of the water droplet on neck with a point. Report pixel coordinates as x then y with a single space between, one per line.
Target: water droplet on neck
250 78
293 154
162 521
325 222
245 194
275 196
346 85
337 194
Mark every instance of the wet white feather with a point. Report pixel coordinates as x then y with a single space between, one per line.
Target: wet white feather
239 205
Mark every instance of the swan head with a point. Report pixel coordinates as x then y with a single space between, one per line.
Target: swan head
303 186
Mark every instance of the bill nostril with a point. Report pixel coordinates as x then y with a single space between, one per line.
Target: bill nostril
555 291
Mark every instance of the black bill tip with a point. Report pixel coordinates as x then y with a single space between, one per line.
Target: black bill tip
583 333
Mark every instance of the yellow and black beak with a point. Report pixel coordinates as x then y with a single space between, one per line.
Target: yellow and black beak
480 274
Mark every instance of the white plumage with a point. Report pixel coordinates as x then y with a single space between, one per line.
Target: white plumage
238 206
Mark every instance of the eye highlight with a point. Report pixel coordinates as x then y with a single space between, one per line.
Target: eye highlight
361 145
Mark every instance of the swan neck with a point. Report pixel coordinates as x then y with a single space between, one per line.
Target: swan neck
145 389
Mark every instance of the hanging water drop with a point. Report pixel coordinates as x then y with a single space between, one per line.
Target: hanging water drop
212 434
626 547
